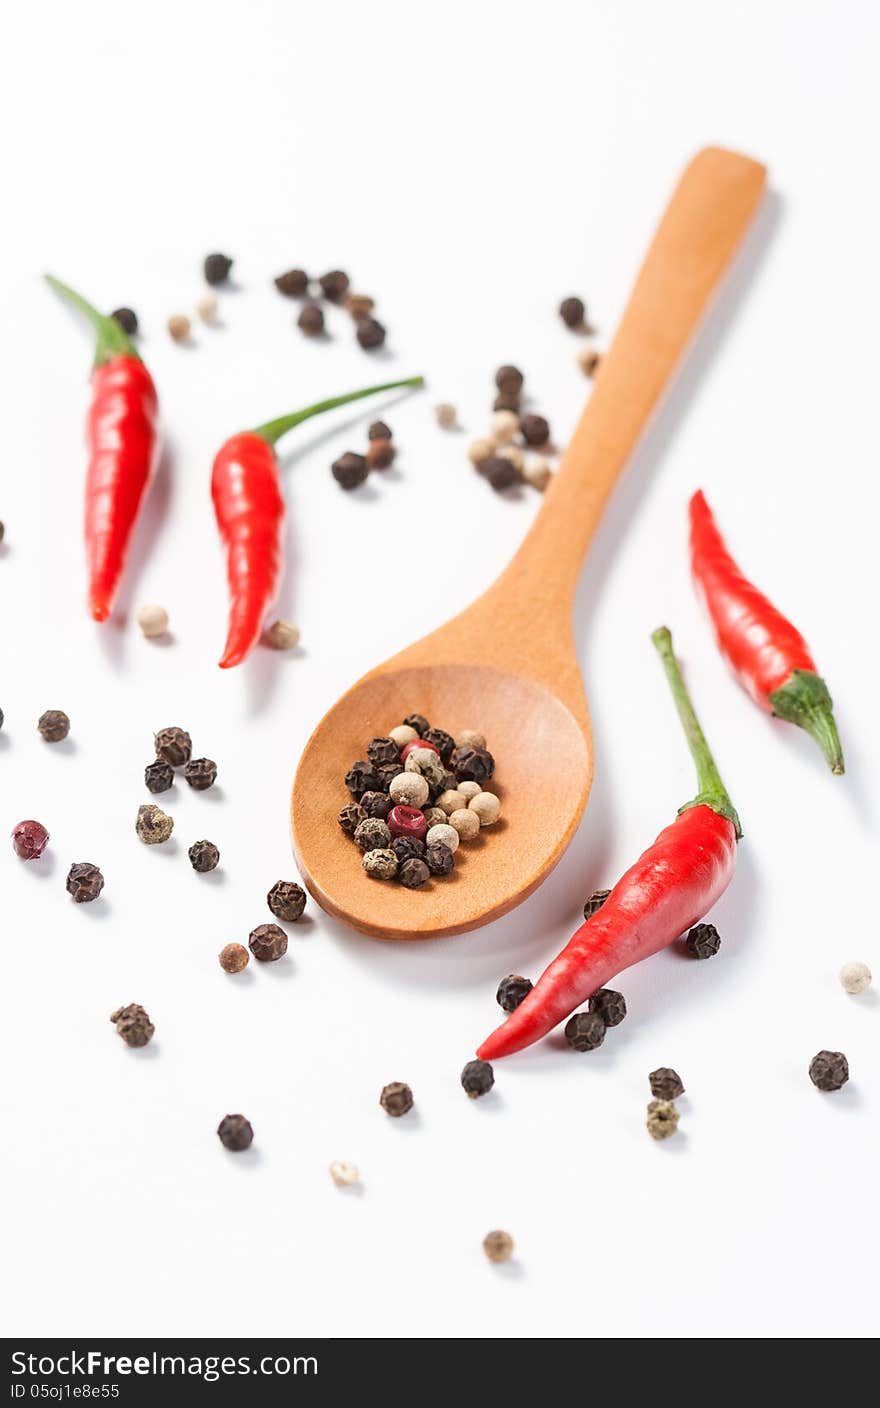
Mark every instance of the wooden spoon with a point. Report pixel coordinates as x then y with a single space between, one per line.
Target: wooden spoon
507 665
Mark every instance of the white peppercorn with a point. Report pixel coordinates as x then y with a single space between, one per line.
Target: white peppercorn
498 1246
344 1174
515 455
409 789
443 834
207 309
505 425
153 826
479 451
402 734
466 823
537 472
588 360
381 863
446 415
855 977
179 327
282 635
451 801
153 621
470 738
487 808
662 1119
469 790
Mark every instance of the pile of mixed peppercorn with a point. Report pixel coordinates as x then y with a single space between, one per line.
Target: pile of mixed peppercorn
418 793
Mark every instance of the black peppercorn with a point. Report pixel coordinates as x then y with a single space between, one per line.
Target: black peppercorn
267 942
571 311
383 750
158 776
507 401
350 470
370 333
335 285
477 1078
380 454
829 1070
174 745
127 320
217 267
379 431
703 941
386 772
440 859
666 1084
413 874
610 1006
84 882
408 848
293 284
396 1098
585 1031
362 777
373 834
418 722
511 991
235 1133
441 740
501 472
509 379
535 429
203 856
132 1024
351 817
200 773
595 902
287 900
54 725
376 804
311 320
472 764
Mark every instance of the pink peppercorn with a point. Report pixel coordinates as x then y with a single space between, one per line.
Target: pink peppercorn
418 743
30 839
407 821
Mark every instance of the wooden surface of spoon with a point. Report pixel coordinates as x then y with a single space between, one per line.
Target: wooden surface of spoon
507 665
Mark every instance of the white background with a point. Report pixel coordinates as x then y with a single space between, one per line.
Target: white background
470 166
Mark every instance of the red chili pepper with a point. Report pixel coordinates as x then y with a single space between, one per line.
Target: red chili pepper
250 514
121 437
672 885
768 655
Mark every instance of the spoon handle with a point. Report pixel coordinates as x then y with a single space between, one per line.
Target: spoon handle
704 222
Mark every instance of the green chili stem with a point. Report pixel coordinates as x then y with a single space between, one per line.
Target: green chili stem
274 429
712 791
804 700
112 339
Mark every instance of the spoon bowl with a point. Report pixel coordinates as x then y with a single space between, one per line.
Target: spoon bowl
538 743
507 666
